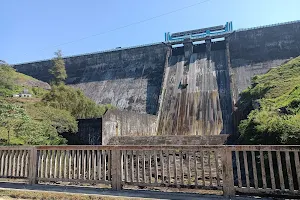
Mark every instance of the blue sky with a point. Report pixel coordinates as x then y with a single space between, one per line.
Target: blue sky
33 29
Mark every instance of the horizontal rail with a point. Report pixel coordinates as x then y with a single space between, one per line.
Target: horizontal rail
160 147
74 180
175 186
196 31
267 191
3 148
264 148
128 147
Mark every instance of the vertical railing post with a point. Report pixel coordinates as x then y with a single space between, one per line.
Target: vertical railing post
116 178
228 181
33 165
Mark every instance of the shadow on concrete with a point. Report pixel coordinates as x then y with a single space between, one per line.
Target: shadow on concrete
136 63
110 192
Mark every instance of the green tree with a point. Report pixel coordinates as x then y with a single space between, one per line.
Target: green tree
61 120
34 132
73 100
34 124
12 117
58 70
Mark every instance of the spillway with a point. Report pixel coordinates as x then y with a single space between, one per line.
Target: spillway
196 98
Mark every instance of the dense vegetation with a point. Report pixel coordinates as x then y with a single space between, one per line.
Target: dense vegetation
26 121
274 104
74 101
30 124
41 119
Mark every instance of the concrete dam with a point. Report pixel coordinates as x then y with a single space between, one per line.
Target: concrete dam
192 89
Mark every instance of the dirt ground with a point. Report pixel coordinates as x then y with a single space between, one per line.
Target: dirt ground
9 198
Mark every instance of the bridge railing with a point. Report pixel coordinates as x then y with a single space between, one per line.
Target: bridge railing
266 169
14 162
88 164
173 166
244 169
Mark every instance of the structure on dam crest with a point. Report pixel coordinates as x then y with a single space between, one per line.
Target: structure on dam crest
192 89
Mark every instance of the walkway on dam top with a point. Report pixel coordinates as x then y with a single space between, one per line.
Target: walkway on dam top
104 192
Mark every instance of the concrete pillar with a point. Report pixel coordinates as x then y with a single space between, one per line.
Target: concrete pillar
233 90
116 167
228 180
208 48
232 87
33 166
188 48
188 51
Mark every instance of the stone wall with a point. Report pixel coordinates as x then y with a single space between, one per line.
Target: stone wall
126 123
169 140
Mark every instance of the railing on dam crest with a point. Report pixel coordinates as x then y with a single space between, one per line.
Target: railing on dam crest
246 169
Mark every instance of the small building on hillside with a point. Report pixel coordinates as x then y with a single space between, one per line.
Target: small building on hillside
24 94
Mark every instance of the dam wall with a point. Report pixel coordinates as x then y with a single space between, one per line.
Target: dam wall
192 89
256 50
116 123
128 78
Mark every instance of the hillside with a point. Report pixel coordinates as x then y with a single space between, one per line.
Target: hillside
13 82
40 118
274 104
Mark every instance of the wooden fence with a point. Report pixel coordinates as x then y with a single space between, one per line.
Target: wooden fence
267 169
246 169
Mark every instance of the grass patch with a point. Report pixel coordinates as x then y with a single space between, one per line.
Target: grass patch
273 101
